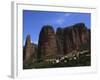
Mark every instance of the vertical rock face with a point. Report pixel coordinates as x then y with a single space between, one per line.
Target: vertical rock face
47 46
29 50
33 50
60 40
52 45
89 39
65 40
75 37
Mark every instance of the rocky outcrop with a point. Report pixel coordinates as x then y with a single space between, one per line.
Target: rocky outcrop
60 40
29 50
47 45
75 36
52 45
34 50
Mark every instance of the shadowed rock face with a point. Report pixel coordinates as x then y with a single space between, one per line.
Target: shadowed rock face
47 46
75 36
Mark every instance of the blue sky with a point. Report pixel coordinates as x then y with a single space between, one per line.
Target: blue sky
34 20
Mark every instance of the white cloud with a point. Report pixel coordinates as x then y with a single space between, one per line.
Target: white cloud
60 21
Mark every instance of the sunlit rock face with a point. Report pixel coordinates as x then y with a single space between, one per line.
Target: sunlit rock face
47 45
